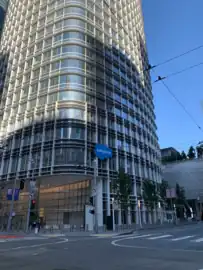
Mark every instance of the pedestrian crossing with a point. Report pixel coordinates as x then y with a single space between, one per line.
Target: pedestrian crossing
164 237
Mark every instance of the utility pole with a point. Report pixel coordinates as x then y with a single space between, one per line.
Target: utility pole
139 213
30 191
113 213
95 197
28 210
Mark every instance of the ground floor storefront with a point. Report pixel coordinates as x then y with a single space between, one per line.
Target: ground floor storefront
63 201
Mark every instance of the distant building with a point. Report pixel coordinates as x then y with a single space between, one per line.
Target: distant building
189 175
169 154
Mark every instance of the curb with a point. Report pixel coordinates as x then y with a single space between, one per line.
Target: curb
126 233
165 226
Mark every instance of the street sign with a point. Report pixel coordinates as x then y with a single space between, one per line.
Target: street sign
10 193
102 151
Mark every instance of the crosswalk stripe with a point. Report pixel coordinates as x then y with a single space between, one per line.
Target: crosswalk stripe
160 237
198 240
182 238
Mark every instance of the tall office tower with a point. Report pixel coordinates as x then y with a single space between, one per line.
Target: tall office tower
3 7
78 77
3 54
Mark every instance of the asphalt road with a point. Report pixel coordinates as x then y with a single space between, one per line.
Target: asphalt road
177 248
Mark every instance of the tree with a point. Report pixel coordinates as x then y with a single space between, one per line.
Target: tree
162 191
180 200
180 194
183 155
191 153
122 187
150 194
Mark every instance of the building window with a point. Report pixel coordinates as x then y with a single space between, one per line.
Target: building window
74 22
24 162
69 156
47 157
71 95
71 113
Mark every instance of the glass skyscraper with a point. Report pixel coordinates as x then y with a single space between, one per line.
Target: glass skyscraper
77 75
3 7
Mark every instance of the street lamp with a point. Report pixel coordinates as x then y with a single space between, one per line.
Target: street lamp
113 213
30 195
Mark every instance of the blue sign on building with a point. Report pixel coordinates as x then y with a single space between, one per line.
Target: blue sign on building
16 194
102 151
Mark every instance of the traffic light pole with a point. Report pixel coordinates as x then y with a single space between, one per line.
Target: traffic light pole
95 197
29 202
28 212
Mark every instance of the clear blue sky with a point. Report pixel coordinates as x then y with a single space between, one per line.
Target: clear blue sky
173 27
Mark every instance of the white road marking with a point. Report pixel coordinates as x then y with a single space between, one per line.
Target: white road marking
159 237
2 241
182 238
103 235
134 236
117 244
130 238
198 240
33 246
123 236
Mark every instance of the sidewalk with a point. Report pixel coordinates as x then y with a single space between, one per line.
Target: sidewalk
166 225
64 233
14 235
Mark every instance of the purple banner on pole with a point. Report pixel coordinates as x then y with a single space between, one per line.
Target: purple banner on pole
10 193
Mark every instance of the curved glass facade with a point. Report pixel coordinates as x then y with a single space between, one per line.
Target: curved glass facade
77 76
3 7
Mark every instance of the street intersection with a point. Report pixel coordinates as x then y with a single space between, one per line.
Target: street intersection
175 248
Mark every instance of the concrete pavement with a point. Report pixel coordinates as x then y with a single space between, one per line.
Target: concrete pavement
113 253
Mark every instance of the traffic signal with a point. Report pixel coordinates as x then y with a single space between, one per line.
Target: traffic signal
32 207
22 184
91 200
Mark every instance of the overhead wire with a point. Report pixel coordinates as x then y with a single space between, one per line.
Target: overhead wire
180 103
177 56
178 72
151 67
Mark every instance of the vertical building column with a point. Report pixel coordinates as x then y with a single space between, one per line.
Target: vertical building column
86 152
29 165
54 139
41 150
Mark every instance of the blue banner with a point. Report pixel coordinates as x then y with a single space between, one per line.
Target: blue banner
102 151
10 193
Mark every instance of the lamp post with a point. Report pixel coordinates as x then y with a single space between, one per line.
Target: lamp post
139 213
95 196
113 213
30 195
